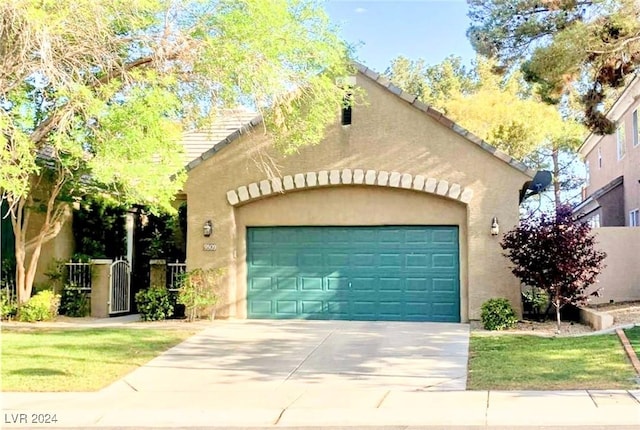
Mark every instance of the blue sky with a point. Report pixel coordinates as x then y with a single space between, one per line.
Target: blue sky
382 30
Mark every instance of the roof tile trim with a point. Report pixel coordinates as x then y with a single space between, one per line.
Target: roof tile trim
224 142
442 119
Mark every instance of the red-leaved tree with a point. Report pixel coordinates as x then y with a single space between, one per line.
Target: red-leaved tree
557 254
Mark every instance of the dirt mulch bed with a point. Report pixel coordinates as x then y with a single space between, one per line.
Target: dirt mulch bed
545 328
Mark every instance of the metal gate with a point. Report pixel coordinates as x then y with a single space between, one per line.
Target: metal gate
119 287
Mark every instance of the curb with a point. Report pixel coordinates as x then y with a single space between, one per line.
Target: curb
631 353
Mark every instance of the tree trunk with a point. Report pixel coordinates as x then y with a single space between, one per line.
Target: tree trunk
557 304
54 218
555 152
21 292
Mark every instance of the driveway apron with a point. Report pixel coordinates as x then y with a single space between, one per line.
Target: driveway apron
344 355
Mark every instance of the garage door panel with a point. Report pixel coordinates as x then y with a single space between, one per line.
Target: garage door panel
357 273
392 236
416 310
441 285
337 260
260 283
419 261
286 258
260 307
389 284
364 309
310 307
417 237
363 260
391 309
310 259
336 283
290 284
445 237
262 258
443 261
391 261
311 283
361 236
287 307
417 284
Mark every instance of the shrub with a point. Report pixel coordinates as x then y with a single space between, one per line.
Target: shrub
198 292
41 307
497 314
535 301
8 307
73 301
154 304
178 308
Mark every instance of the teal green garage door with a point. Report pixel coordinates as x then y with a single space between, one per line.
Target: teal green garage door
354 273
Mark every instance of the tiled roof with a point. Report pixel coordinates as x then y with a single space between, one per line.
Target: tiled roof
442 119
229 125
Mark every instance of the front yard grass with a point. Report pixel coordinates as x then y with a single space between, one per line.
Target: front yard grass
506 362
78 359
633 334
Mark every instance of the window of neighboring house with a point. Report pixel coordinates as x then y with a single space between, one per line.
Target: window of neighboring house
587 173
620 142
636 132
634 218
599 158
594 221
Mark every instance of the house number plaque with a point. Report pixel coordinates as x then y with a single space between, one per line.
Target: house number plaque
210 247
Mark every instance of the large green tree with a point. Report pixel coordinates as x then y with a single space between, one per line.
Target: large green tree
561 43
505 112
94 96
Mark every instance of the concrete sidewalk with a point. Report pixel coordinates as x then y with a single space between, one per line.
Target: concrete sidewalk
300 406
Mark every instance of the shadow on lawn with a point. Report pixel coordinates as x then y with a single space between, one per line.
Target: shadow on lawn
37 371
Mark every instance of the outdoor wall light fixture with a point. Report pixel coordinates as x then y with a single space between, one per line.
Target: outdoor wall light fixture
495 227
207 228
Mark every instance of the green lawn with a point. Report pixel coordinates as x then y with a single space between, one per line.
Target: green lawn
633 334
506 362
80 359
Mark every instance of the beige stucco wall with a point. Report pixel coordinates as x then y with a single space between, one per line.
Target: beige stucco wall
620 280
60 247
386 134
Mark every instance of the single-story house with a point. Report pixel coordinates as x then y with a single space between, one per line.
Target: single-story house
388 218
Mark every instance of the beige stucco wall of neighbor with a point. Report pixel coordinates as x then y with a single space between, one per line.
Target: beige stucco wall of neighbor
387 134
612 167
620 280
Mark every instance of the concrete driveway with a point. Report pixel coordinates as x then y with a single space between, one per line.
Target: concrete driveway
260 354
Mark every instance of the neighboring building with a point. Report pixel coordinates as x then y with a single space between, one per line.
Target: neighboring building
388 218
611 196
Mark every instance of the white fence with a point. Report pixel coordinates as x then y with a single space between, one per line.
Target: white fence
78 274
175 271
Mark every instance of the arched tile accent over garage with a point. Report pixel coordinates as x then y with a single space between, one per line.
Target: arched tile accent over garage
300 181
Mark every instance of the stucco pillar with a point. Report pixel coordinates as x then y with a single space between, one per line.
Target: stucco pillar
158 273
100 274
129 227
